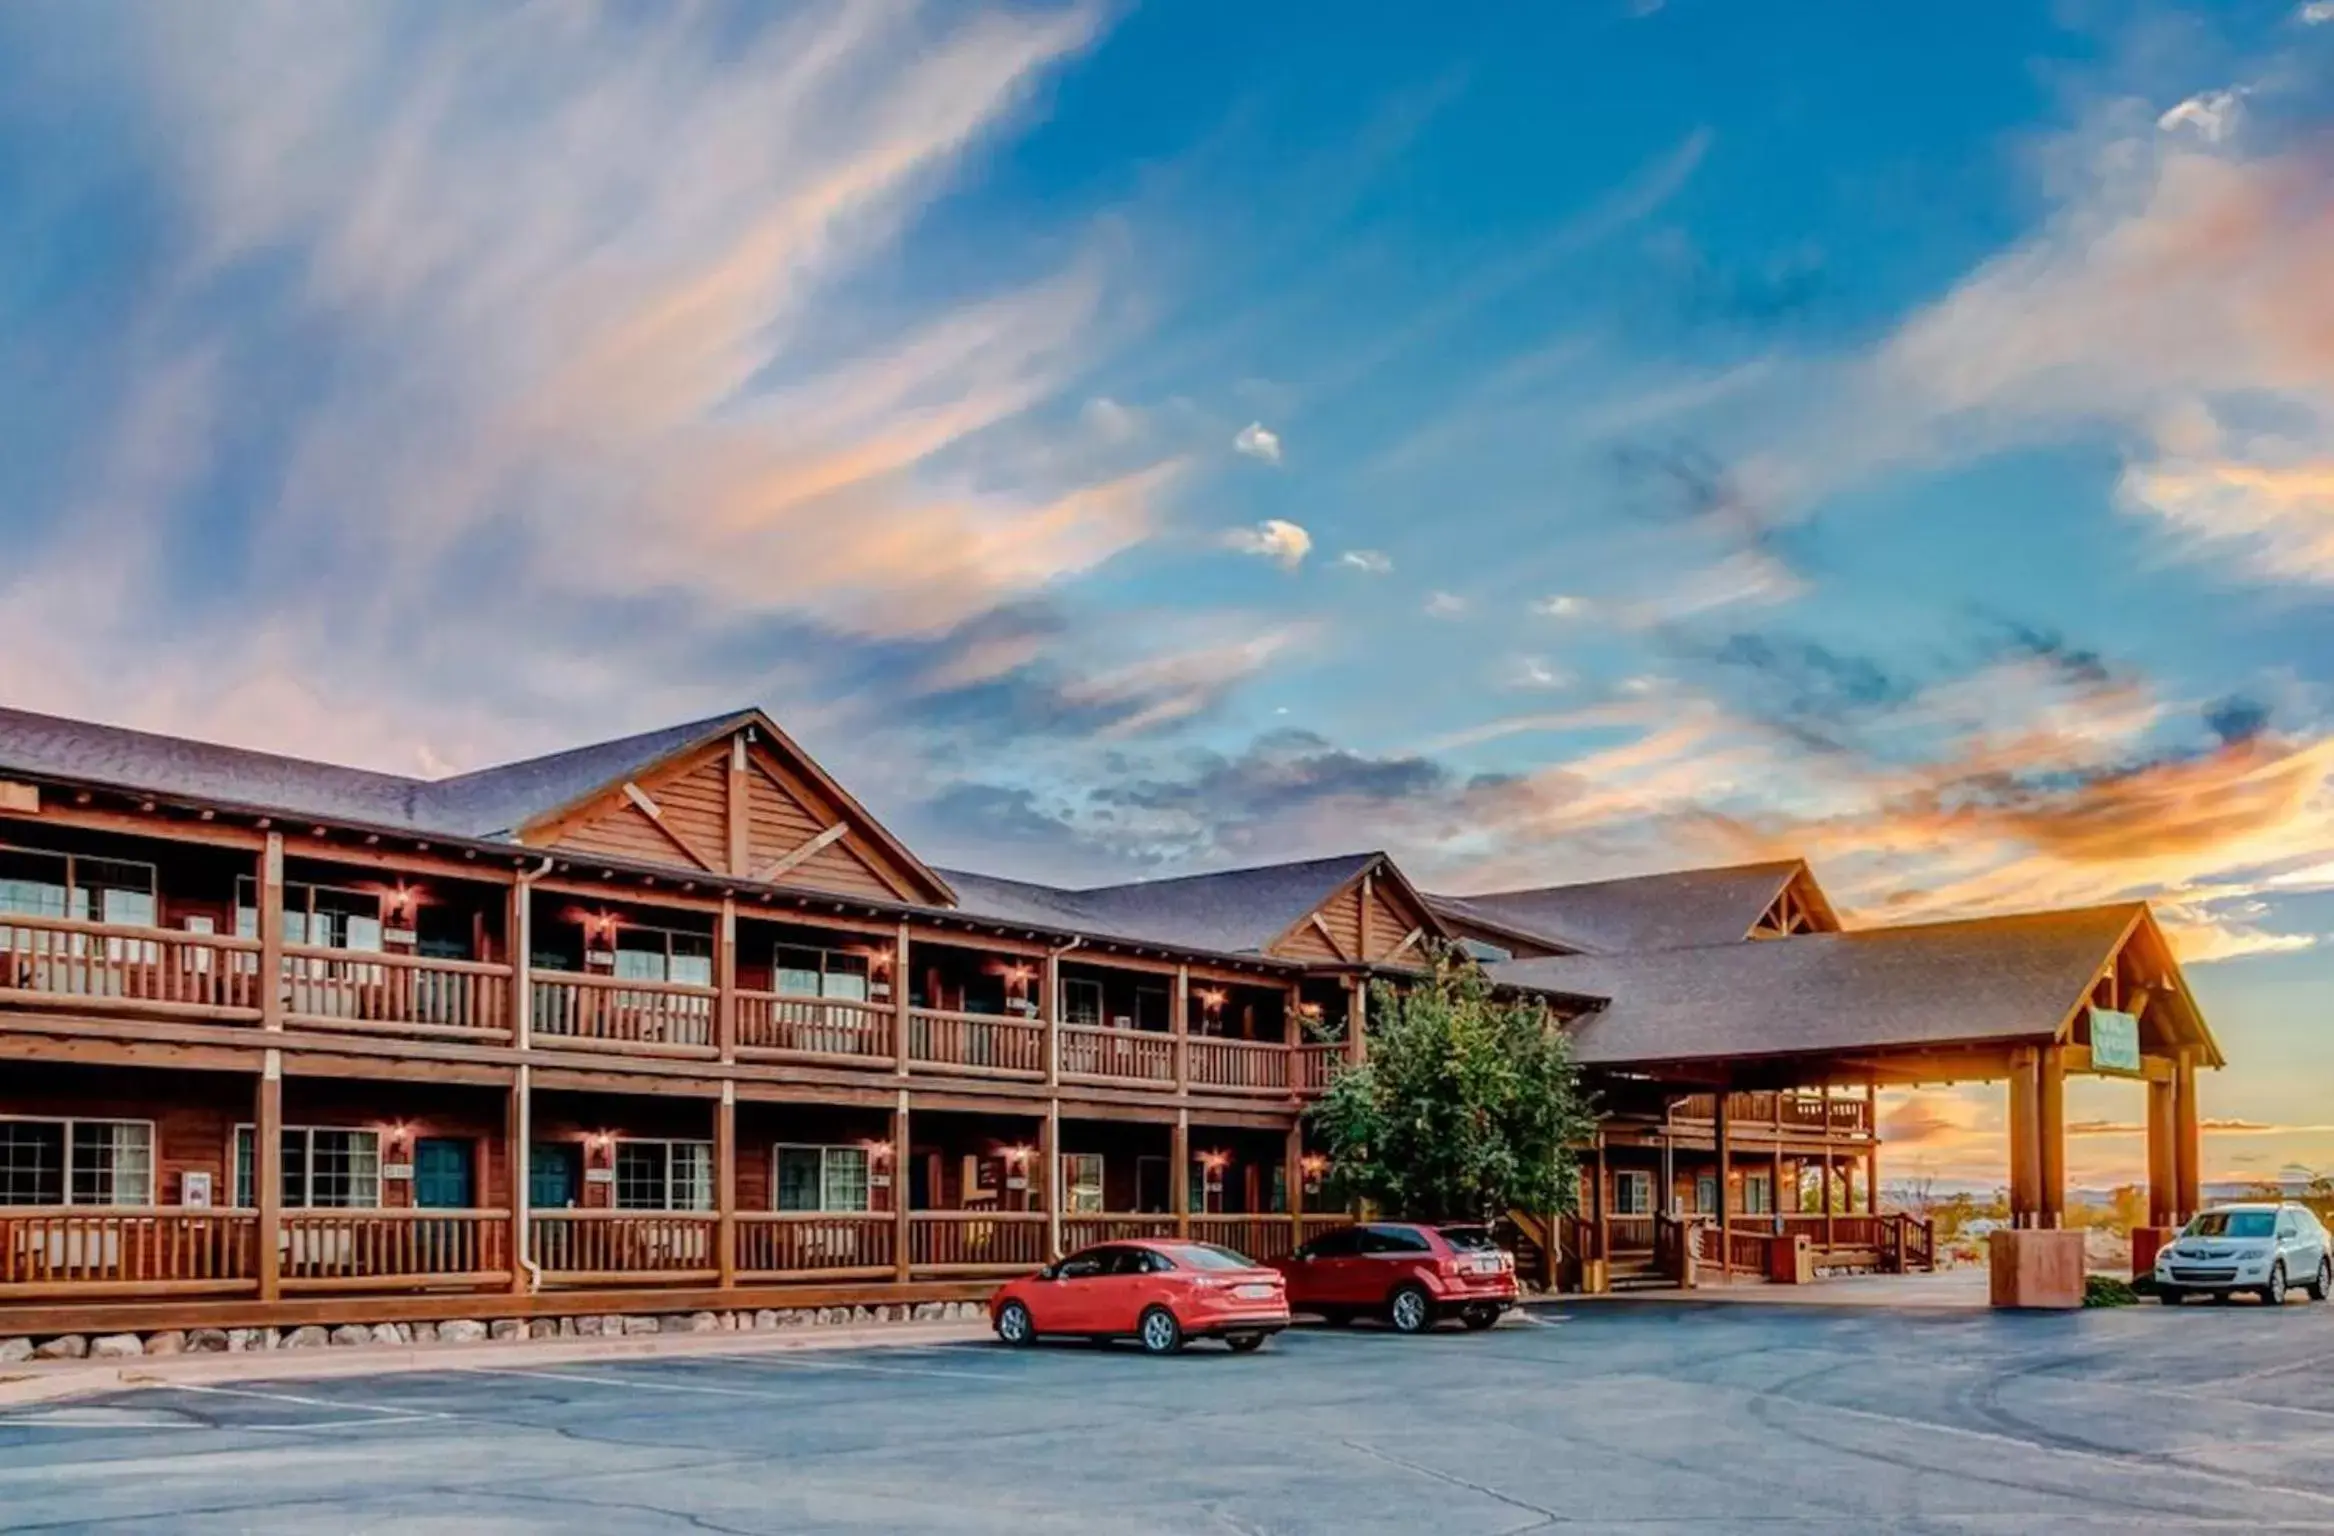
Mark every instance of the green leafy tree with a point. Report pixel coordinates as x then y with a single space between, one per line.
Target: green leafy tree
1468 1105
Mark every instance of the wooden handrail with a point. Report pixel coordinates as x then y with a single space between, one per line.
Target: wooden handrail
785 1024
1241 1066
976 1242
1121 1055
993 1044
650 1015
120 967
337 1248
125 1247
787 1243
340 988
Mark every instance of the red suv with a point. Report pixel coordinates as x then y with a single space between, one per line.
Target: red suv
1412 1275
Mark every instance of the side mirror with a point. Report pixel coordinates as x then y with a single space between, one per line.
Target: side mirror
1049 1273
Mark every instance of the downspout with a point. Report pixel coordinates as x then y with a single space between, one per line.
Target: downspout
1053 1102
521 1201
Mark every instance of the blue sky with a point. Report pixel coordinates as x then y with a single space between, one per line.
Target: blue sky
1549 442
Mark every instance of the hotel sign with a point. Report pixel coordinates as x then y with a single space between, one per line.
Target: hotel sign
2115 1043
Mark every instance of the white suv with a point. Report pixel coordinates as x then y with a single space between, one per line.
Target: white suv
2260 1248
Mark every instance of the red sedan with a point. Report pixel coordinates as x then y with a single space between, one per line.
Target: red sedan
1160 1292
1411 1274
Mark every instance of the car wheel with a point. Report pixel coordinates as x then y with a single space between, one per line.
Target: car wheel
1479 1317
2322 1283
1014 1324
1160 1332
2170 1296
1410 1310
1245 1343
2274 1291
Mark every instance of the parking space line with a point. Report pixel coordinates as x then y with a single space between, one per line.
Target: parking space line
304 1402
628 1383
795 1364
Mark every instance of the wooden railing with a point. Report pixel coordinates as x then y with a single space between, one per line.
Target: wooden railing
401 994
976 1242
1084 1231
1747 1252
113 966
588 1246
1916 1241
365 1250
813 1026
1629 1234
1810 1112
98 1250
992 1044
780 1245
1311 1066
642 1015
1244 1066
1262 1238
1120 1055
1326 1222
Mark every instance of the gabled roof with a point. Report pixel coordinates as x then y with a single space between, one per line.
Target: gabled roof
1668 911
1232 912
1927 985
498 801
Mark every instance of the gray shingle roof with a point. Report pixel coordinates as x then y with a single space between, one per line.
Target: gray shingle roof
1678 910
1994 978
1232 912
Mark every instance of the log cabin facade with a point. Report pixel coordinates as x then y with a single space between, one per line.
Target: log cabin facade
673 1022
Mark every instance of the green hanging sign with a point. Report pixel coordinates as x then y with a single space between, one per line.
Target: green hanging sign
2115 1043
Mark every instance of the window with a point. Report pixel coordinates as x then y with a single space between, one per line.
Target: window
318 916
1081 1001
1082 1179
37 883
822 973
1705 1194
325 1168
822 1178
1394 1240
1632 1192
1211 1256
76 1162
661 954
2233 1224
664 1175
1154 1009
1757 1195
1470 1239
1343 1243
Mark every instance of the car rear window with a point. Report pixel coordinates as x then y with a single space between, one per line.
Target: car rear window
1209 1256
1470 1239
2234 1224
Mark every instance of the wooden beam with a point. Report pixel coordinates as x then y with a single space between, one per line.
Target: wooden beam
2163 1161
656 815
1329 938
738 806
267 1176
807 849
2051 1134
902 1153
1725 1184
1361 910
271 933
1179 1173
725 1185
517 1144
1408 939
2187 1141
2025 1138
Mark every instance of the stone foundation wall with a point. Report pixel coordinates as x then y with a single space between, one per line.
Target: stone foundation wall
195 1341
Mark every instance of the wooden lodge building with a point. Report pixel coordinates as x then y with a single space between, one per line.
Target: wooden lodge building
673 1023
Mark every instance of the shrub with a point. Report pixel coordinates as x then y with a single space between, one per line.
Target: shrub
2107 1291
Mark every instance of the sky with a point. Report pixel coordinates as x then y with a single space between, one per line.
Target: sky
1547 442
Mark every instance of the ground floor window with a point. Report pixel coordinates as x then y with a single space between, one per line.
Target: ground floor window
1082 1182
1706 1194
822 1178
76 1162
1632 1192
325 1168
1757 1195
664 1175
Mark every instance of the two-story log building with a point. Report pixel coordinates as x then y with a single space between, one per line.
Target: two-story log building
673 1022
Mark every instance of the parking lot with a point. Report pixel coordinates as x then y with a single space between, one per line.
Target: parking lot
1651 1418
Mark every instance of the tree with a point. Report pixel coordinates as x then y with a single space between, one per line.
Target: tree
1468 1104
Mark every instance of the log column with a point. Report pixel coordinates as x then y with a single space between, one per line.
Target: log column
2051 1131
267 1165
725 1183
1725 1186
1179 1171
725 978
2163 1160
901 1154
1049 1176
1293 1177
1181 1024
2025 1136
899 1044
517 1136
1357 1020
2188 1141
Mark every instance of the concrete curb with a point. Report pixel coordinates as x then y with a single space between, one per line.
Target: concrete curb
56 1382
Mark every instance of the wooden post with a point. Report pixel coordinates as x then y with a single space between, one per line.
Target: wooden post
725 978
1179 1172
267 1161
1357 1021
1830 1214
1049 1008
1182 1026
519 927
1872 1145
1602 1208
2188 1140
1725 1186
1293 1175
899 1044
1369 950
271 933
518 1121
2025 1137
2163 1161
1049 1175
739 812
901 1154
2051 1132
725 1182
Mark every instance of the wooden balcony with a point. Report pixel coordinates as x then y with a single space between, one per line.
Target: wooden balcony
813 1029
1262 1238
969 1243
396 994
1084 1231
105 967
109 1251
984 1044
389 1250
658 1017
603 1247
815 1245
1238 1066
1117 1055
1796 1114
1310 1067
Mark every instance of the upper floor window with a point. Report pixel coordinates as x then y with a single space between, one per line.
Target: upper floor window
37 883
822 1178
318 916
664 954
821 973
1081 1001
76 1162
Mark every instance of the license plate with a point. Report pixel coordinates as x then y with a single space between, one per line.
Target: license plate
1253 1292
1485 1266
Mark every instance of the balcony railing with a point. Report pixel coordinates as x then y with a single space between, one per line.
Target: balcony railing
1809 1112
1262 1238
1311 1066
989 1044
397 994
370 1250
826 1028
1242 1066
1085 1231
975 1242
658 1016
114 967
1117 1055
786 1245
585 1247
97 1251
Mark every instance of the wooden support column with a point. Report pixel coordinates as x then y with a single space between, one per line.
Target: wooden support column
738 807
2051 1132
1049 1008
1357 1021
2188 1141
1871 1146
725 978
2025 1137
1049 1176
271 933
899 1044
1179 1170
1182 1027
2163 1160
518 1135
1725 1187
725 1183
902 1152
267 1157
519 927
1293 1176
1830 1206
1601 1208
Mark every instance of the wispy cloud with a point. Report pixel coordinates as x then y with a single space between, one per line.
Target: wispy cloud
1257 441
1371 562
1276 539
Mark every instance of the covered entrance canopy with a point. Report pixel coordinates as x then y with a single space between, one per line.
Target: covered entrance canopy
2026 999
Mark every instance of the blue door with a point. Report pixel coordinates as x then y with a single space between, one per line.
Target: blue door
442 1178
554 1175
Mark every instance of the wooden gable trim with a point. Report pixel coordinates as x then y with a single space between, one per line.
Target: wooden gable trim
921 880
804 850
1358 887
1321 924
816 804
648 807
